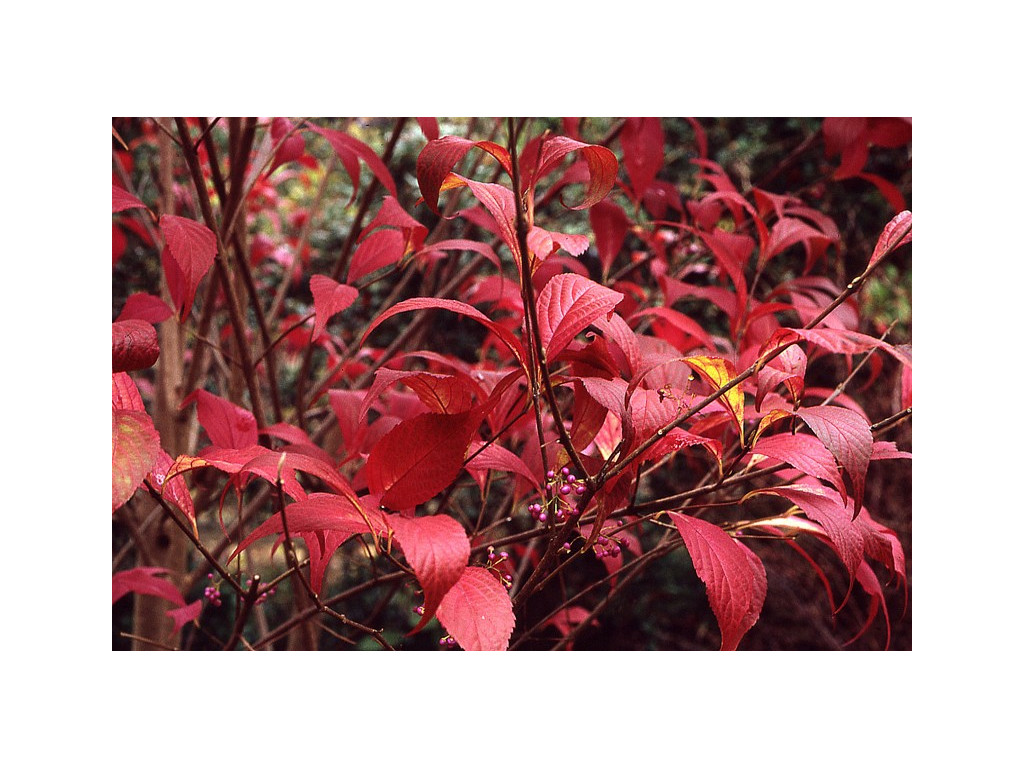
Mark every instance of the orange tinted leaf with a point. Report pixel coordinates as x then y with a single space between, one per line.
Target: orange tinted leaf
436 161
718 372
135 448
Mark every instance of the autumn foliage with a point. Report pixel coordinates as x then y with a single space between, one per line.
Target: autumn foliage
462 384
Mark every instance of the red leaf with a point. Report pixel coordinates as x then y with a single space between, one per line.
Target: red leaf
437 548
847 435
124 394
429 127
290 148
804 452
346 147
320 512
145 306
381 249
568 304
193 248
680 322
443 394
173 490
419 458
733 575
643 149
544 243
329 298
466 245
134 345
610 225
135 448
451 305
477 611
227 425
789 368
896 233
145 581
846 342
602 166
500 203
440 156
123 200
825 507
494 456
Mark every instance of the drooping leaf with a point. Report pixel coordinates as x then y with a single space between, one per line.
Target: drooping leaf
145 581
289 142
226 424
847 435
320 512
732 574
466 245
643 149
718 372
494 456
419 457
145 306
833 513
451 305
567 304
124 200
429 127
438 550
477 611
348 147
135 345
135 448
329 298
610 225
788 368
380 249
193 247
687 326
806 453
499 201
846 342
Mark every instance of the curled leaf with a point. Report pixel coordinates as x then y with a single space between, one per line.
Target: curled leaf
135 345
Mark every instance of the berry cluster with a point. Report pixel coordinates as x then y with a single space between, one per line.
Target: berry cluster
560 487
212 593
495 560
447 642
262 598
